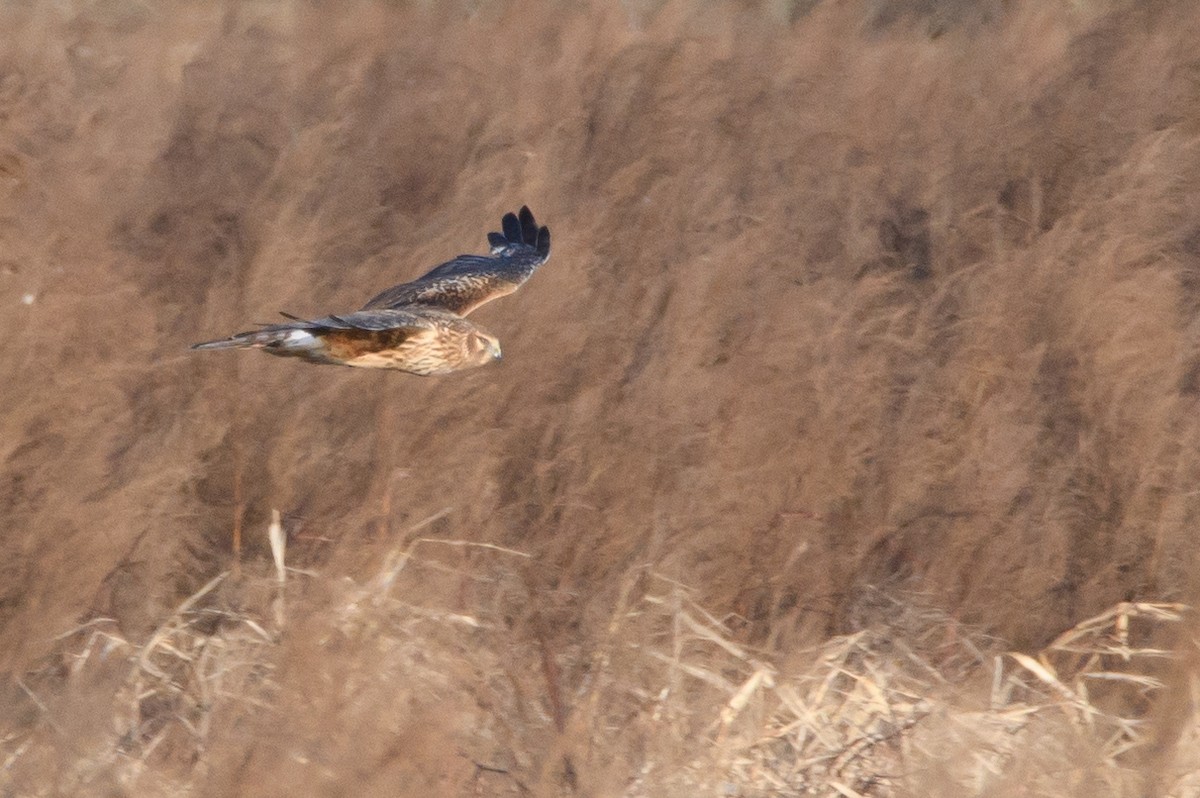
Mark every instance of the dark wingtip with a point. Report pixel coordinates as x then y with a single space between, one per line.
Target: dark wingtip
520 228
529 228
512 228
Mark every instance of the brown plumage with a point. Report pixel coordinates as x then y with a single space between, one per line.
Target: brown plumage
418 326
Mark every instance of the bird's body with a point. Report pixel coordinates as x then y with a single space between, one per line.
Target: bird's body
421 340
416 327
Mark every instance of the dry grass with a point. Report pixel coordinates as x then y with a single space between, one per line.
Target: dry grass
671 703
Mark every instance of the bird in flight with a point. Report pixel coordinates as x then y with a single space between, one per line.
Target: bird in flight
418 327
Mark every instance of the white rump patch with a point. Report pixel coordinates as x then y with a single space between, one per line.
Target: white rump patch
299 339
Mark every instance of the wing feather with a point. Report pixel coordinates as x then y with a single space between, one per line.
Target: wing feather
366 320
529 228
512 227
468 281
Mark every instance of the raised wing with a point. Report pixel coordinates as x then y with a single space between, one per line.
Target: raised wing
468 281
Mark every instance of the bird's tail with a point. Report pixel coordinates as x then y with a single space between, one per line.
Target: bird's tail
277 338
521 232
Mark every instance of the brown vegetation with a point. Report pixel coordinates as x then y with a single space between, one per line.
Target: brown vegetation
867 352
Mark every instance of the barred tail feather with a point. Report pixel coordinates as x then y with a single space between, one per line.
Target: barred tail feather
224 343
282 337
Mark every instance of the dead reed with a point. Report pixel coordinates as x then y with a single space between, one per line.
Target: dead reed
667 702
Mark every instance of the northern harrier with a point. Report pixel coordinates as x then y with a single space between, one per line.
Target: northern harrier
419 326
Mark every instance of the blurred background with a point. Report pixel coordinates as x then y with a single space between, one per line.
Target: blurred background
868 324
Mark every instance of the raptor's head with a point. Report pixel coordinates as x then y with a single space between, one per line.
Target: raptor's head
482 348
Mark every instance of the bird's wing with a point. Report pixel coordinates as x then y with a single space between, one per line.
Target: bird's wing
364 325
365 320
468 281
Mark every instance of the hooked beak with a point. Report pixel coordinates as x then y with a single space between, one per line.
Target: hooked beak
494 349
